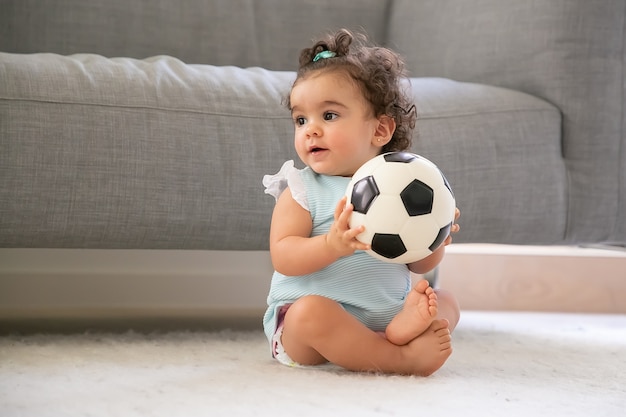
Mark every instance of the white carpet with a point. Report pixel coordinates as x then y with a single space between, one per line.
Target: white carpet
504 364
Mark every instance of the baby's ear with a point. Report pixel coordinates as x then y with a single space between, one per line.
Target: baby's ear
384 130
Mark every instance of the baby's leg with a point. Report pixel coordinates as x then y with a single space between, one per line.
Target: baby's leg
419 311
317 329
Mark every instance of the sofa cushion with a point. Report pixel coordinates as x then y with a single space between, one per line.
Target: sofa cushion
125 153
267 33
119 153
568 52
501 151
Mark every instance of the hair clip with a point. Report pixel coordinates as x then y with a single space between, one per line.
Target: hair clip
324 55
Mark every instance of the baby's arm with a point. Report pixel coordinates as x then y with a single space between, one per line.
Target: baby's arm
295 252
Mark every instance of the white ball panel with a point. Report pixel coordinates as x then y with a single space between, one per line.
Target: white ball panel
419 232
443 206
390 177
367 168
427 172
387 215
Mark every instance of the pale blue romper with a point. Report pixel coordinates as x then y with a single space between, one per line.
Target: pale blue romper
371 290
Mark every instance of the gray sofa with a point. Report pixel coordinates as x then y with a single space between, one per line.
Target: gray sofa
141 129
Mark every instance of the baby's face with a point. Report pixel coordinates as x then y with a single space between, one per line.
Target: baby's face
335 129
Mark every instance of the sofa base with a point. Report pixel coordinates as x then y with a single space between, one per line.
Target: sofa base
122 320
71 289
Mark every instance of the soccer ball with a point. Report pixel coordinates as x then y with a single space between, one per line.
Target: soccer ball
405 203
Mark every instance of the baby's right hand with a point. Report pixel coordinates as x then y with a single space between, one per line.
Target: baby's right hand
341 238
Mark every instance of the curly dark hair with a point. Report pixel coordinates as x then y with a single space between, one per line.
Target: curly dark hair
379 72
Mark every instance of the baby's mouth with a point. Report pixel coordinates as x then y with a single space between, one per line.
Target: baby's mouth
316 149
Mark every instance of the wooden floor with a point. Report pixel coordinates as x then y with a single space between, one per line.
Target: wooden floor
558 279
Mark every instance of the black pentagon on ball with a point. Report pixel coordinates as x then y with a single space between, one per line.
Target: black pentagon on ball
405 157
441 236
364 193
388 245
417 198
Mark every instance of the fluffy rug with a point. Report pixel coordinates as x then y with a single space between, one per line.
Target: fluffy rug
509 364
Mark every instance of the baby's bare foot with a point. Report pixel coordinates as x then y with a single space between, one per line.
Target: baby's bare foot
430 350
419 311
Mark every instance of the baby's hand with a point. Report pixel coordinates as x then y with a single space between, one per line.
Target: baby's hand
341 238
455 227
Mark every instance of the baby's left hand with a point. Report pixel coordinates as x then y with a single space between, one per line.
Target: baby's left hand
455 227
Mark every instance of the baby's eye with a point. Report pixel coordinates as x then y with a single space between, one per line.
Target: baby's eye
330 115
299 121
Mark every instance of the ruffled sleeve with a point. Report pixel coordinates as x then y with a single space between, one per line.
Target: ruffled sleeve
288 176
